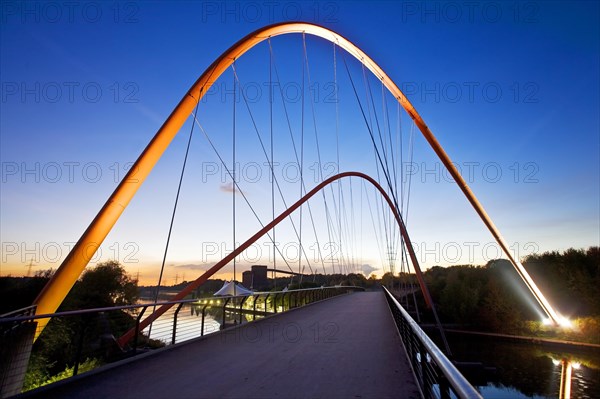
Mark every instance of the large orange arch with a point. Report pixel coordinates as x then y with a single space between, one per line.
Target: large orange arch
242 247
71 268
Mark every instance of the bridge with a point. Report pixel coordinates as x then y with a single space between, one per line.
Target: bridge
377 350
339 342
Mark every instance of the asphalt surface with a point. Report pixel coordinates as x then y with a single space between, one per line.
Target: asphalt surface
344 347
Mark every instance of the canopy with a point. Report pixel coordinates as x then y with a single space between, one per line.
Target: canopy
228 289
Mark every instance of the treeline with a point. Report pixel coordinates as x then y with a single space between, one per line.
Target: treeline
310 281
494 298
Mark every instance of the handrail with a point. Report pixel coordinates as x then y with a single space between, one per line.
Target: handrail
91 310
458 383
25 310
127 307
281 292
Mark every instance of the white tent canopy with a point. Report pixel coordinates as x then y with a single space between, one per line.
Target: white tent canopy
229 287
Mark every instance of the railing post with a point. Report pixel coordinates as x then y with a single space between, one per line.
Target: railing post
203 316
175 323
444 388
425 381
241 305
79 347
254 307
266 298
137 330
224 306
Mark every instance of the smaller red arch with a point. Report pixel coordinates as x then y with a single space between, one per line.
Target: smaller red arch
226 260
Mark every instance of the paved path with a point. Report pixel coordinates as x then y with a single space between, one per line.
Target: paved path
345 347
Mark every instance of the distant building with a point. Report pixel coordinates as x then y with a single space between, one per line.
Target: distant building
247 279
256 277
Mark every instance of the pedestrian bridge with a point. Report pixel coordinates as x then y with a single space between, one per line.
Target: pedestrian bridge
347 346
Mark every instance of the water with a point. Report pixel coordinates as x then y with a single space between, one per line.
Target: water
526 370
189 324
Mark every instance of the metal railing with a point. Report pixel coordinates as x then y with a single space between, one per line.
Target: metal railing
88 336
436 375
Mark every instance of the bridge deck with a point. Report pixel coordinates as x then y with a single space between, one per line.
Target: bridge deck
345 347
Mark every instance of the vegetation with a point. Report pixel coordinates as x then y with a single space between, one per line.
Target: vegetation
494 298
67 339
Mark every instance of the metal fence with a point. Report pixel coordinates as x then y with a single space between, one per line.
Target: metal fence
86 338
436 375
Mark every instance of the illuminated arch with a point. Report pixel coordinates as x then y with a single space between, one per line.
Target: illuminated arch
67 274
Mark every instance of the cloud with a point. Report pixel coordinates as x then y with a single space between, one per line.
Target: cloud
227 187
367 269
193 266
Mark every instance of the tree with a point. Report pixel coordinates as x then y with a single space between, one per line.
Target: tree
575 273
461 297
105 285
69 340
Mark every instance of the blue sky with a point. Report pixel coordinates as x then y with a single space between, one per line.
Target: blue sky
511 90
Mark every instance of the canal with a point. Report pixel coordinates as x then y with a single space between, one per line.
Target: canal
512 369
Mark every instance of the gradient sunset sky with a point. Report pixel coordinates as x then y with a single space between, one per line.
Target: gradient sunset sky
510 89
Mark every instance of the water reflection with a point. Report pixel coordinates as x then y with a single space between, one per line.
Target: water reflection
527 370
189 325
565 378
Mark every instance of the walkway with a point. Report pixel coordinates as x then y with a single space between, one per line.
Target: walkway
345 347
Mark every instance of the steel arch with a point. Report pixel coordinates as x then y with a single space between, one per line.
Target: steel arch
71 268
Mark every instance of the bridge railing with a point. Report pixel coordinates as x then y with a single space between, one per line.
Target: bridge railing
436 375
87 337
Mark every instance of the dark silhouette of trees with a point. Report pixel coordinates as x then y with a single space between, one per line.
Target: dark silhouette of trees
105 285
493 297
571 278
68 341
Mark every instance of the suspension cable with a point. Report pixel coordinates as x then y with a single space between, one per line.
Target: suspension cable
314 118
162 266
293 147
266 155
233 178
238 186
301 169
272 163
